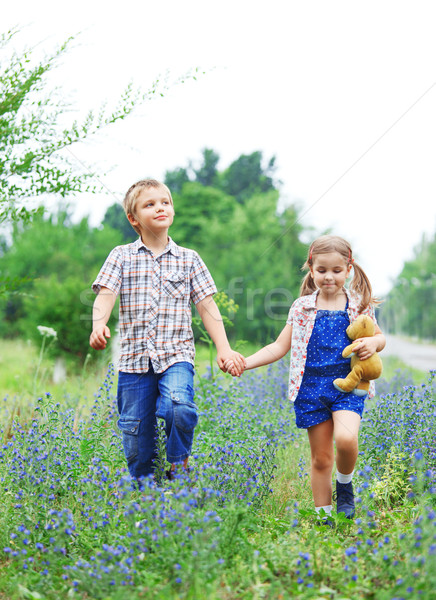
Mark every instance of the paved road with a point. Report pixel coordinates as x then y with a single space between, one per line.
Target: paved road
421 356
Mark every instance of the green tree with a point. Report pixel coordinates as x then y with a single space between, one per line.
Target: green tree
176 179
58 302
257 261
197 207
243 177
409 306
207 173
253 252
246 176
33 142
58 260
115 218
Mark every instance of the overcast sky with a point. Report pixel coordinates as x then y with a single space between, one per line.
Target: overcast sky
343 94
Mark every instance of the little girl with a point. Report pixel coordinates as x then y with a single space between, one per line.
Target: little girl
315 334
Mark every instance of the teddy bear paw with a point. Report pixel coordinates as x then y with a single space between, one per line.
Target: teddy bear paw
337 383
358 392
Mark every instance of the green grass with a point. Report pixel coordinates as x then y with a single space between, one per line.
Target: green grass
19 361
392 365
286 524
22 379
269 551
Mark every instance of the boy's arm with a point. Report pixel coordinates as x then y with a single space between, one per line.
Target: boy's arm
272 352
101 312
213 322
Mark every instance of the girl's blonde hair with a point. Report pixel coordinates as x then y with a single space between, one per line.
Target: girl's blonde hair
359 284
130 199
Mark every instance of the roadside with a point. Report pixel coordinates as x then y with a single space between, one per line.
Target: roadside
418 355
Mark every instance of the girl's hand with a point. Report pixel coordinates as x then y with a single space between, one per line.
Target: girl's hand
366 347
230 367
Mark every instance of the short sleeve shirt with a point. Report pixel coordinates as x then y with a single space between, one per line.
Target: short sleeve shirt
302 315
155 320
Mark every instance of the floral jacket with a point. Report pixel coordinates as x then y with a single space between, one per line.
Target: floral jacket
301 317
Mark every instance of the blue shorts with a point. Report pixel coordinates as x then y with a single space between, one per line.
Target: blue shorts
318 398
144 397
312 412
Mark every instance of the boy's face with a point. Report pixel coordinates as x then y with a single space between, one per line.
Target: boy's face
154 212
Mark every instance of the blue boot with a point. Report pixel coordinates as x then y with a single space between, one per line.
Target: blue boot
345 499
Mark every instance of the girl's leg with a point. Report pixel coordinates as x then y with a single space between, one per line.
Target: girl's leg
346 431
322 453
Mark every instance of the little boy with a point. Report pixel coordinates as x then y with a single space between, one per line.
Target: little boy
156 280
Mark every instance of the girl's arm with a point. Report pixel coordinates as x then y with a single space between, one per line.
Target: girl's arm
272 352
369 345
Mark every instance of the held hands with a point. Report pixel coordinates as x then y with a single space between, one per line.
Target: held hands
234 369
98 338
232 362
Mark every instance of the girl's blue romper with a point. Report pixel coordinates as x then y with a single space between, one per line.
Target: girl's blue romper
318 397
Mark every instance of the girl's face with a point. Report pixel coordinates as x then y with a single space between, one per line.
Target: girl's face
329 272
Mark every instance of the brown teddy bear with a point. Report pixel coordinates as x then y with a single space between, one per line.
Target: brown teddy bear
362 371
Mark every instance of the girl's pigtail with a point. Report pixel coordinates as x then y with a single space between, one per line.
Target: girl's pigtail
360 285
307 285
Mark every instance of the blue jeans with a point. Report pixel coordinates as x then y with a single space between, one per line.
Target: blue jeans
144 397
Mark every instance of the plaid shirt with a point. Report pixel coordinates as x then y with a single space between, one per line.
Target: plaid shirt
155 303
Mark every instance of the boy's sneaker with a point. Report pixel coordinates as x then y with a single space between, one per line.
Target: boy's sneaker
345 499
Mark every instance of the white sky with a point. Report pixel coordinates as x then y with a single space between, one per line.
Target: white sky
342 92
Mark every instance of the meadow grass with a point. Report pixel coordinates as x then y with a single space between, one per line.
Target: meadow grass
240 525
23 376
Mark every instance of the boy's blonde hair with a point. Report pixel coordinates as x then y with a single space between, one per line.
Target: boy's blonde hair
359 284
130 199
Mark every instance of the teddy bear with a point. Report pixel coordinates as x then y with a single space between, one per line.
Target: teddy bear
362 371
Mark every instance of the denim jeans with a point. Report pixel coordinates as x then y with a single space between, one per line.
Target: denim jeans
144 397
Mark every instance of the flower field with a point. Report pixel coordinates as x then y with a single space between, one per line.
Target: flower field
240 524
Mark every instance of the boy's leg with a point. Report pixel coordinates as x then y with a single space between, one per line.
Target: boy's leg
176 406
322 454
137 394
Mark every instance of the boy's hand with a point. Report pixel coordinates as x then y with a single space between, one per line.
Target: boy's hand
229 367
97 339
233 362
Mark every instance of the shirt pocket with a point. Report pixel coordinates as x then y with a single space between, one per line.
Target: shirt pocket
301 319
174 284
